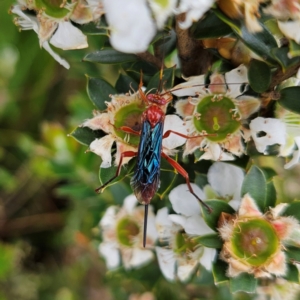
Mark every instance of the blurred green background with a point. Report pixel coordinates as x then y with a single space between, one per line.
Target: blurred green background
49 212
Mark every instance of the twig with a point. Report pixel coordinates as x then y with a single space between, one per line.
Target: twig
147 56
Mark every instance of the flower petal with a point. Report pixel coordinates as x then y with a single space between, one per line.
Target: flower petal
290 29
130 203
247 106
194 85
122 147
173 122
207 257
226 179
132 27
100 121
235 76
249 208
278 265
166 261
185 269
68 37
109 218
274 130
296 155
183 202
162 10
102 147
111 254
134 258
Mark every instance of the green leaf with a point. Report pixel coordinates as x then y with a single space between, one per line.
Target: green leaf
218 207
94 28
167 80
125 84
259 74
7 257
293 209
167 43
244 282
85 135
210 241
109 56
210 27
289 99
293 254
98 91
282 56
292 273
294 49
261 42
263 192
219 270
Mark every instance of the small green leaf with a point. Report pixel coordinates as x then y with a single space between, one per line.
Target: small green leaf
125 84
293 254
166 44
292 273
98 91
94 28
282 56
294 49
244 282
210 27
218 207
210 241
109 56
7 257
259 74
289 99
219 270
293 209
85 135
263 192
167 80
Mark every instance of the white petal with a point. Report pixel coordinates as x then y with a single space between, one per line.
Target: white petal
183 202
296 155
192 225
194 10
151 226
60 60
140 257
163 224
166 261
185 269
27 22
235 76
68 37
207 257
173 122
131 24
235 204
226 179
162 10
290 29
102 147
109 218
274 130
213 151
130 203
111 254
194 85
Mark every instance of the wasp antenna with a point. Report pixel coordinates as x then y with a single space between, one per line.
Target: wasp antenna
145 225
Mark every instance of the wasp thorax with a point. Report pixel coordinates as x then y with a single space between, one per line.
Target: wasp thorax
216 115
127 230
157 99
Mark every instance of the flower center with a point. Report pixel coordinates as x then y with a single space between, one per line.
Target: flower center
127 230
183 244
254 241
129 116
215 114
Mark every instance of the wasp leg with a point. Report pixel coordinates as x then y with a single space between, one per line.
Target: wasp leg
124 154
168 132
184 173
129 130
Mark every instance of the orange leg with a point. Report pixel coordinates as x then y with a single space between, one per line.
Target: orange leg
129 130
124 154
168 132
184 173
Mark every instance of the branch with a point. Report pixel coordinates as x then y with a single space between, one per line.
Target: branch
194 59
147 56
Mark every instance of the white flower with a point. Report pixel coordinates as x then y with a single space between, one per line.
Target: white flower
266 132
215 118
194 9
122 232
131 25
162 10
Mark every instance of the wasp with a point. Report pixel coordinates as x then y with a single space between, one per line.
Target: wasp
145 180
